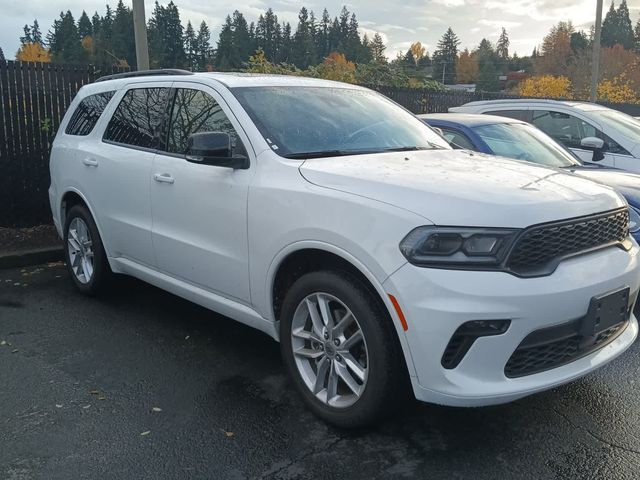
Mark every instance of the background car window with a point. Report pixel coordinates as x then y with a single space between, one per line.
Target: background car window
562 127
457 139
86 116
196 111
523 141
138 117
524 115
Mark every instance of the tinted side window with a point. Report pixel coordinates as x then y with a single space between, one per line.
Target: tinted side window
457 139
523 115
138 117
564 128
195 111
87 113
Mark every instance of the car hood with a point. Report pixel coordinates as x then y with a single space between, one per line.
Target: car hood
628 184
451 187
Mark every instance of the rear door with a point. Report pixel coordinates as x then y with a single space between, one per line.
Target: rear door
200 211
122 170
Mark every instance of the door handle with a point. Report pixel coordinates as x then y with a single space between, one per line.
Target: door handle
90 162
163 178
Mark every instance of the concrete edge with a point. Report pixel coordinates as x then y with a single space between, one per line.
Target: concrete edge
27 258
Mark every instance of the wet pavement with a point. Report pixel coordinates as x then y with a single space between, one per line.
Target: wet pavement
141 384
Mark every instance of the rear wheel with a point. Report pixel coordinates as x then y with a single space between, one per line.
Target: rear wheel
85 256
341 349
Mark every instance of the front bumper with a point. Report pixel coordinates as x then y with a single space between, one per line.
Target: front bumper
436 302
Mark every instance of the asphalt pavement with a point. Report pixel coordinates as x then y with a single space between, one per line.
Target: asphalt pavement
142 384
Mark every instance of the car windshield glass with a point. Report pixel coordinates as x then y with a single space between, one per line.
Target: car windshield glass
621 122
525 142
308 122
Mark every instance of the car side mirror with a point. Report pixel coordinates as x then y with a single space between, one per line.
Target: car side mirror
438 131
214 148
596 145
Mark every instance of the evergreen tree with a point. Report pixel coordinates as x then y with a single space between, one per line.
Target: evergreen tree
267 35
488 78
636 35
85 28
625 27
610 27
202 48
579 42
617 27
190 46
377 48
242 44
322 35
26 38
2 59
304 51
225 46
64 40
445 57
286 45
36 34
353 46
502 48
123 44
166 49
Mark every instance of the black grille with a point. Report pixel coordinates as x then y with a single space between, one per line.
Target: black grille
533 356
540 248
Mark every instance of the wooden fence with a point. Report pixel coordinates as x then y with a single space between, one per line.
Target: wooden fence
33 100
35 96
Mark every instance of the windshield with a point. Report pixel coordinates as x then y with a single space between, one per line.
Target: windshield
525 142
621 122
308 122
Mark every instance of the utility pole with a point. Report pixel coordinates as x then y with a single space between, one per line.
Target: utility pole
595 66
140 34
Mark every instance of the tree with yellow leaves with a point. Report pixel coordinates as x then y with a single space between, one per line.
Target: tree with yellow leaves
33 52
547 86
337 67
467 67
418 52
617 90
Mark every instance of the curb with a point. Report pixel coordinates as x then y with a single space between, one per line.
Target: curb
27 258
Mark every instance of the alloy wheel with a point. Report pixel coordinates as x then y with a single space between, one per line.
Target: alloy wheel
80 249
330 350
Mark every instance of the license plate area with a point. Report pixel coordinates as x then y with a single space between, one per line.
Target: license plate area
605 311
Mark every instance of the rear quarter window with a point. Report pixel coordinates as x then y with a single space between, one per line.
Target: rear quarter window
524 115
87 113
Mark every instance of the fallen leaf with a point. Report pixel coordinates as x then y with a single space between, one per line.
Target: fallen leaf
187 337
101 397
94 392
145 433
228 434
86 406
15 350
58 405
3 342
156 409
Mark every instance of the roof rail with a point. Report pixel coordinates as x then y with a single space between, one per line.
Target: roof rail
145 73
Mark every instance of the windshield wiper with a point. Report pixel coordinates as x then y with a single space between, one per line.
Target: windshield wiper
344 153
328 153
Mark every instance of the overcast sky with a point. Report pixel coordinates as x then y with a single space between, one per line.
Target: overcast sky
527 21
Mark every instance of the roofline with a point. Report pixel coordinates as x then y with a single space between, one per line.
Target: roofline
528 100
144 73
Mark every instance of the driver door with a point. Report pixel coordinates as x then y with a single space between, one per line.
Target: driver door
200 211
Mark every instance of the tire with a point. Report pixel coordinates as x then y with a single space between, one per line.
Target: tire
384 383
88 266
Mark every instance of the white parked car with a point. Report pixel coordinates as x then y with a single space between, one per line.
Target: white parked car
338 223
591 131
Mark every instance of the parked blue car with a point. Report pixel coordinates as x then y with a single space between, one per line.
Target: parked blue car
521 141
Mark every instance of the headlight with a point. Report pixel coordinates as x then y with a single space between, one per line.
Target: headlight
634 220
432 246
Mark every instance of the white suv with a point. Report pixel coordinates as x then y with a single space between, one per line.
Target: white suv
591 131
338 223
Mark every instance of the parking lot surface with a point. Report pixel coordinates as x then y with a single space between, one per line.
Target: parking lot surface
142 384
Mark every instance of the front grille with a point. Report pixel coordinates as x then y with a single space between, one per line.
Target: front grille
539 248
534 356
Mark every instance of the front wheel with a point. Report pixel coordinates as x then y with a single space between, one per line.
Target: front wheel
341 349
